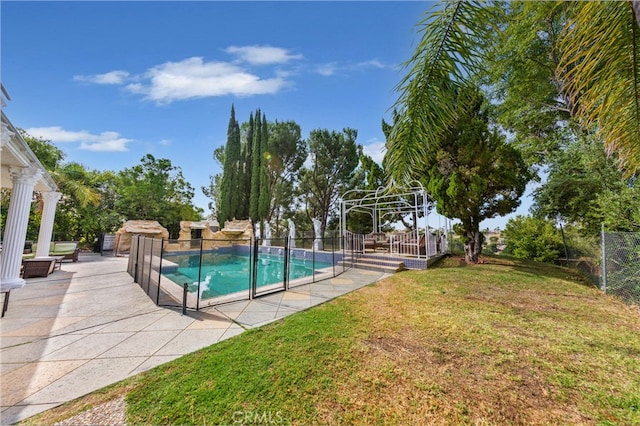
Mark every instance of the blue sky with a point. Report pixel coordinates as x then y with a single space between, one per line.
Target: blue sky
109 82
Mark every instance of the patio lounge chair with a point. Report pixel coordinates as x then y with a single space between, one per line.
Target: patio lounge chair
376 240
369 243
68 249
40 267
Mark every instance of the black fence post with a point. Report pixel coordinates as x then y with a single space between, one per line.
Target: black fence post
254 275
250 277
185 291
344 252
286 263
160 271
313 260
199 275
333 253
150 264
135 273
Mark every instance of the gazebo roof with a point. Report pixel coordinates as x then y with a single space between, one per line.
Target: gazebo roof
392 197
387 200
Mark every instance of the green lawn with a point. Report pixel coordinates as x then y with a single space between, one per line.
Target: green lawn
506 342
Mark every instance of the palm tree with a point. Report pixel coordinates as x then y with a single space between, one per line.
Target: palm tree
72 178
599 67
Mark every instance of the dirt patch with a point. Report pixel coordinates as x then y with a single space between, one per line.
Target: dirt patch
411 374
410 378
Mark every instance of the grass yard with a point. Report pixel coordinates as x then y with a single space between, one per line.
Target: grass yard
506 342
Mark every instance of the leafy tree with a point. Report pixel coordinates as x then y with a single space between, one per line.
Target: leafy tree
68 176
334 157
156 190
620 210
585 187
79 196
531 238
535 106
86 221
285 156
474 174
104 216
524 85
49 155
598 66
212 191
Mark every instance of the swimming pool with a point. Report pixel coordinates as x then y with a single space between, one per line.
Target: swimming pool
224 274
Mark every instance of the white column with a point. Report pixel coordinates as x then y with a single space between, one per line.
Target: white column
15 232
49 200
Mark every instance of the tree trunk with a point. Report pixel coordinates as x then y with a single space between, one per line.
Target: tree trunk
472 245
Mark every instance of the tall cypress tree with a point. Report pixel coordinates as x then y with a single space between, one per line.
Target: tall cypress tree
264 200
246 166
229 190
254 197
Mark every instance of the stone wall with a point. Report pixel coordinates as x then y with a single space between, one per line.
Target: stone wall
233 233
147 228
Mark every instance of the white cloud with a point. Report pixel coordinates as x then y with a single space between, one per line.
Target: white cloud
104 142
262 55
374 149
112 145
332 68
113 77
194 78
327 69
373 63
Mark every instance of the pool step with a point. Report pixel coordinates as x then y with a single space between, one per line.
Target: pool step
373 263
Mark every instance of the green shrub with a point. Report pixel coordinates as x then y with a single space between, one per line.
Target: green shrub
531 238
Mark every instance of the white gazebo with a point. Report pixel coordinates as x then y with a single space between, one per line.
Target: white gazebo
24 175
386 203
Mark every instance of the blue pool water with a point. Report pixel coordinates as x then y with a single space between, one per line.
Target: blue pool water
224 274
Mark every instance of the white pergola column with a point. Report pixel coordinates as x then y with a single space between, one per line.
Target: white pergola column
15 232
49 200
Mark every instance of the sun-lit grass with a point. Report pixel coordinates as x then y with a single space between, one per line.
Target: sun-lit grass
505 342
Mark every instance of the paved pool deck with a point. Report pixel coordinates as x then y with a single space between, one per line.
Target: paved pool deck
89 325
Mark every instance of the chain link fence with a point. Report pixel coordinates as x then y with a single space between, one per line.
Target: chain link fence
621 265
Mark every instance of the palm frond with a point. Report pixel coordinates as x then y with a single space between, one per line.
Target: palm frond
600 66
451 51
73 186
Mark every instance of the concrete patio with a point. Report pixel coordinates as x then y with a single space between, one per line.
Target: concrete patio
89 325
